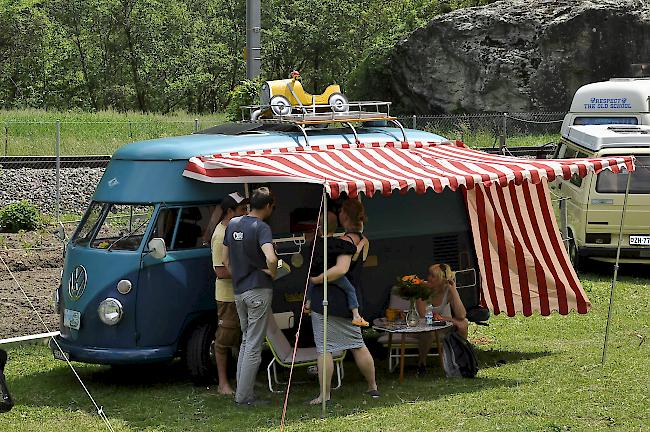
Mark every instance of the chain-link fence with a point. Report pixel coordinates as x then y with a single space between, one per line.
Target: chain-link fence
56 164
65 192
24 138
77 138
492 130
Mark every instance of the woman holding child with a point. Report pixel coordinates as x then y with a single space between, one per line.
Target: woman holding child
346 255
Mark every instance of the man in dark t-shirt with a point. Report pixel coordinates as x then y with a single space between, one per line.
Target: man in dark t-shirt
250 257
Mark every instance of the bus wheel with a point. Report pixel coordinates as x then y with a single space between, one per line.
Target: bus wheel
199 355
573 255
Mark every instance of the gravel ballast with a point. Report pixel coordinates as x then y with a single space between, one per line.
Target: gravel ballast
38 186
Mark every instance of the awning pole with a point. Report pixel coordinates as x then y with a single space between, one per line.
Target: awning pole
618 256
325 303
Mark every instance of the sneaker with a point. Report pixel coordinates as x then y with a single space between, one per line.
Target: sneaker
253 403
422 370
373 393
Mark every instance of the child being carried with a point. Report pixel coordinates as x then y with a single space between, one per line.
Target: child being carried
342 282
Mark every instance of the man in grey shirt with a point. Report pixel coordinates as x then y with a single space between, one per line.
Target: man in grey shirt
250 257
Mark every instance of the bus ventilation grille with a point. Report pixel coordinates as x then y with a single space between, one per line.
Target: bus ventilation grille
446 250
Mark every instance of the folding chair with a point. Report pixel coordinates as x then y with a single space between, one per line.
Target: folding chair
283 352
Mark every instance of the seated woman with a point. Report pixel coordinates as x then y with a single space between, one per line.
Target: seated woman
341 333
447 306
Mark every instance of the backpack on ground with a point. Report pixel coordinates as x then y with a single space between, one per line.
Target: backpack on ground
459 358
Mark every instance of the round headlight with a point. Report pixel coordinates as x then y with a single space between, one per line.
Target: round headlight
124 286
110 311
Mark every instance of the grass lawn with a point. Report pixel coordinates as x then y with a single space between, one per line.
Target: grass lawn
538 373
33 132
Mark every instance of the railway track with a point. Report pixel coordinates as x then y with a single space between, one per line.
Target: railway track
49 162
100 161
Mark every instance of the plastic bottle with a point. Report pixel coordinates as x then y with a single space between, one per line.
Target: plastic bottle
428 314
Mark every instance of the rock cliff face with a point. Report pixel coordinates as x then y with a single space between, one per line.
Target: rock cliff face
518 55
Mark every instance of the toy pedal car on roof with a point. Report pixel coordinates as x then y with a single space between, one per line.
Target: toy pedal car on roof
283 96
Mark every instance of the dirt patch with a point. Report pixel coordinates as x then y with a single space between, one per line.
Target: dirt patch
36 260
17 318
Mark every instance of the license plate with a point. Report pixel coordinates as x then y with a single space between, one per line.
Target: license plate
60 355
72 319
640 240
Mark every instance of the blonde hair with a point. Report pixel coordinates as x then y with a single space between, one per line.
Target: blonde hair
443 272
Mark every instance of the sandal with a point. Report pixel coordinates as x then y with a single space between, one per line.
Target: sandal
360 322
373 393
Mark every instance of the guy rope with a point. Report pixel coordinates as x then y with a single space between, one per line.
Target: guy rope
99 409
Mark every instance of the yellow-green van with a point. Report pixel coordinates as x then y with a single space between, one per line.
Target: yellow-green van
594 204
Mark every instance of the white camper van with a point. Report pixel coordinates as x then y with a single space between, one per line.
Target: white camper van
594 203
608 118
623 101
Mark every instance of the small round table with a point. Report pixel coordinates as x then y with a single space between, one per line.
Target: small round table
381 324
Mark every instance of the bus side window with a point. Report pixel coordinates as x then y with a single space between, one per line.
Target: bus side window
575 178
193 223
570 153
165 224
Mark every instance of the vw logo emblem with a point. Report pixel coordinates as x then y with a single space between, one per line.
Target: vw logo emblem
77 283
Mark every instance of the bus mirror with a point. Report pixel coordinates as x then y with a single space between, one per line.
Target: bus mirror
157 248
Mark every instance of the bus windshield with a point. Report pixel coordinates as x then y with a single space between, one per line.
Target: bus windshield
114 226
605 120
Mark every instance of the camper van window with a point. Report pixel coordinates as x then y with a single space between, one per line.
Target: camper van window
89 224
164 226
609 182
192 225
570 153
122 227
605 120
575 178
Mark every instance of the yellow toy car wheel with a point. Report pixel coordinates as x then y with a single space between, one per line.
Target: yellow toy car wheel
339 103
280 105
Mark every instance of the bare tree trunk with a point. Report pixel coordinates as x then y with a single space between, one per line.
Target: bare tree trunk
84 66
133 59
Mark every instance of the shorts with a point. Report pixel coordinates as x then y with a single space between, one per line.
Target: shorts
228 333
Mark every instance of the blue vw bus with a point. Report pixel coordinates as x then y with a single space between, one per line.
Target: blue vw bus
138 285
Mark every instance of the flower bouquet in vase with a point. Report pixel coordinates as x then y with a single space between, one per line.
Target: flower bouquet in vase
411 287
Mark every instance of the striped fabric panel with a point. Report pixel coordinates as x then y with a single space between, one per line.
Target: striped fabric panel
523 263
384 167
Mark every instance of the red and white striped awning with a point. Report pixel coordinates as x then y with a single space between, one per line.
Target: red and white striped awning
523 264
384 167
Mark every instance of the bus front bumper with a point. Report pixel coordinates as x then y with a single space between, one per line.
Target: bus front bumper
628 254
110 356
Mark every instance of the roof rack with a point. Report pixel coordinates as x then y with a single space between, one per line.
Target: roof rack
310 116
